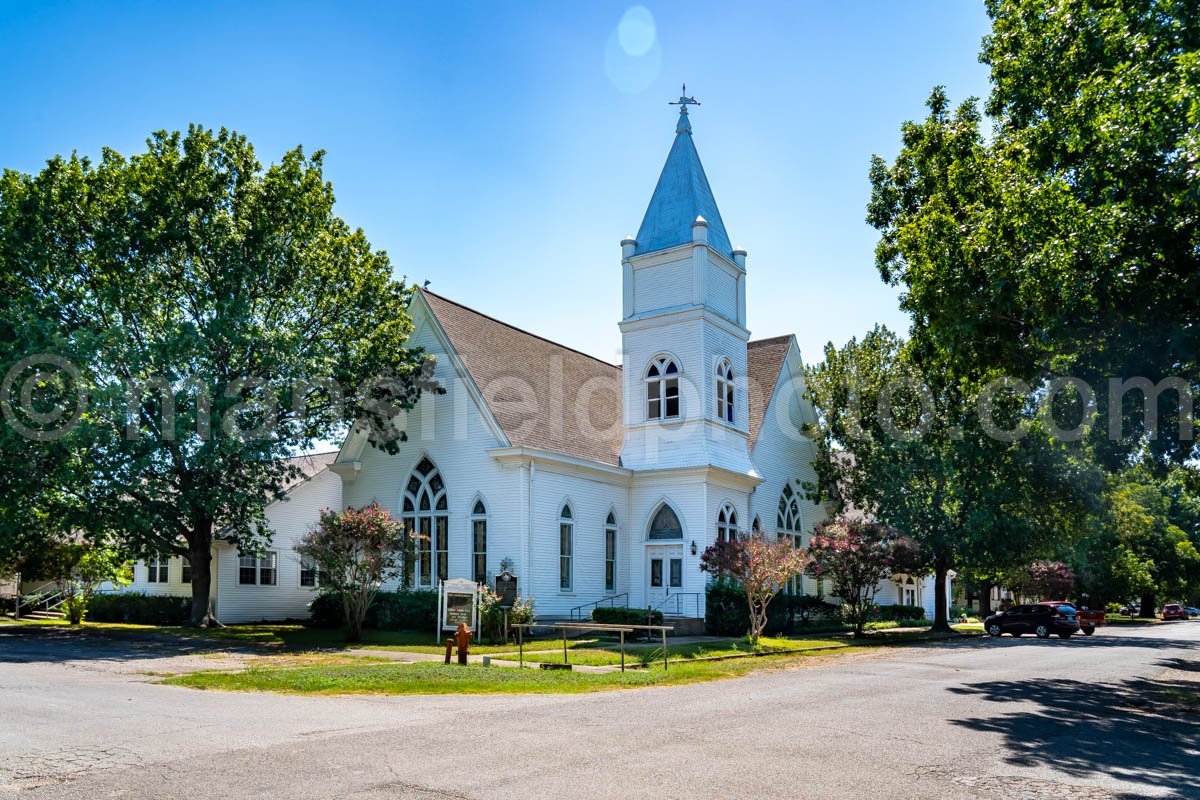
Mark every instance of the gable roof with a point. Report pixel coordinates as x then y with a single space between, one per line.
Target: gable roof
681 195
764 361
310 466
495 353
502 360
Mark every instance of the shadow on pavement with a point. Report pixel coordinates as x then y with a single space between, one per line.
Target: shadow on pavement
1145 732
27 644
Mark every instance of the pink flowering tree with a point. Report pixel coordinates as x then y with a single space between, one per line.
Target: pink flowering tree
1045 580
355 551
855 555
761 567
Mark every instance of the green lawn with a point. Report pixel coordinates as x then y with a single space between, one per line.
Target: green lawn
652 654
434 678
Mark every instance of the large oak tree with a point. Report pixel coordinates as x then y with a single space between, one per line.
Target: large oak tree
216 316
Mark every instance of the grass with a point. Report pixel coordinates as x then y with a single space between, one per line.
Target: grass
652 654
434 678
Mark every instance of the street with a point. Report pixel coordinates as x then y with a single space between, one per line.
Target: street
1011 718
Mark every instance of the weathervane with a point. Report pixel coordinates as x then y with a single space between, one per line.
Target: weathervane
684 101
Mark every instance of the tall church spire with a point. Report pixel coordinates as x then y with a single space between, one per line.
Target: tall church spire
682 195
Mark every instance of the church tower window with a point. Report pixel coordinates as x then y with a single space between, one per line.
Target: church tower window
662 389
726 524
725 391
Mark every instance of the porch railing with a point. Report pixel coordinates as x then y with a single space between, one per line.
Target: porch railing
608 600
677 605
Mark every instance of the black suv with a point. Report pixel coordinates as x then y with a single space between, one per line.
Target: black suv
1043 621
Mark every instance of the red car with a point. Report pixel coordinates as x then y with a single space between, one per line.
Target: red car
1174 611
1088 620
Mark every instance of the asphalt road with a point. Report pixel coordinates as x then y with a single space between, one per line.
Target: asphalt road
980 719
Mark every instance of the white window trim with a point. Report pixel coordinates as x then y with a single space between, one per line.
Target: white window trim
610 528
472 519
661 361
154 567
726 393
316 570
564 520
258 567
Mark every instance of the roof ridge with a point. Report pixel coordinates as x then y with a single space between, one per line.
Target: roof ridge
770 340
510 326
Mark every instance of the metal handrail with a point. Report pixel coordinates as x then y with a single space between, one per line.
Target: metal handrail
46 603
577 611
674 598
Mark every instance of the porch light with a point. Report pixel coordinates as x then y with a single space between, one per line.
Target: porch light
693 547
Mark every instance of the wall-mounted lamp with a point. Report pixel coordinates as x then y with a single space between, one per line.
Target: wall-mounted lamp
693 547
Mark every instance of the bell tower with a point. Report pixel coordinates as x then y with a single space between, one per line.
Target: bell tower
683 324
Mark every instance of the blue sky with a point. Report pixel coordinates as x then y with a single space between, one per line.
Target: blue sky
502 150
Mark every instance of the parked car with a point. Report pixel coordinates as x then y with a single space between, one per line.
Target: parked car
1173 611
1194 613
1131 610
1040 620
1088 619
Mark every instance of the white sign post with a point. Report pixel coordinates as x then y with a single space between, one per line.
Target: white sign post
458 602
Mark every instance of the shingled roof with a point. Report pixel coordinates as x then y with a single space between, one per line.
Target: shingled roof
499 356
764 360
310 465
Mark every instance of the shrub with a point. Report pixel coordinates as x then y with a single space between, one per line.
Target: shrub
136 608
728 615
389 611
491 614
899 612
627 616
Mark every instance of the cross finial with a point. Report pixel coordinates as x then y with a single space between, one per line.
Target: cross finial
684 101
684 125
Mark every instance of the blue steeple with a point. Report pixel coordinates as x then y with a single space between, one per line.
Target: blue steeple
682 194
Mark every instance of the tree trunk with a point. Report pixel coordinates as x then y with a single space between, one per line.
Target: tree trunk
1148 605
200 556
985 598
941 608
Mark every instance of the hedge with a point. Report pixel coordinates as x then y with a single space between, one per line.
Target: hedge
728 615
898 612
626 616
137 608
389 611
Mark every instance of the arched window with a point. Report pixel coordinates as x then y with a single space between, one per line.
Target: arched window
726 523
662 388
425 512
610 553
566 548
665 524
725 391
790 523
756 526
479 541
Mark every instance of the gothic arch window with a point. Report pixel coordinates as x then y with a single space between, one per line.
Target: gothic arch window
425 512
665 524
662 388
610 553
727 523
725 391
756 526
566 548
789 523
479 540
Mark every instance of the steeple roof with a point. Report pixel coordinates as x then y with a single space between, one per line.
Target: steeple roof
682 194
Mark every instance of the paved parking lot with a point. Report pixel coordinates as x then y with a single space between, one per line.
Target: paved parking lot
1086 718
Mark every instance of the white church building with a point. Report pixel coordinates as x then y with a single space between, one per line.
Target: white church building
594 483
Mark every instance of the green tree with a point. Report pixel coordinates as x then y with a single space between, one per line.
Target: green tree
1067 240
216 316
915 453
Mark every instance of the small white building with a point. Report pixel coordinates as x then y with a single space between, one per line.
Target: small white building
595 483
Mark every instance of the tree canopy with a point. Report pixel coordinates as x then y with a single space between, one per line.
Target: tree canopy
211 316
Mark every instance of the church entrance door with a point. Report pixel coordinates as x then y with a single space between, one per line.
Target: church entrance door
664 573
